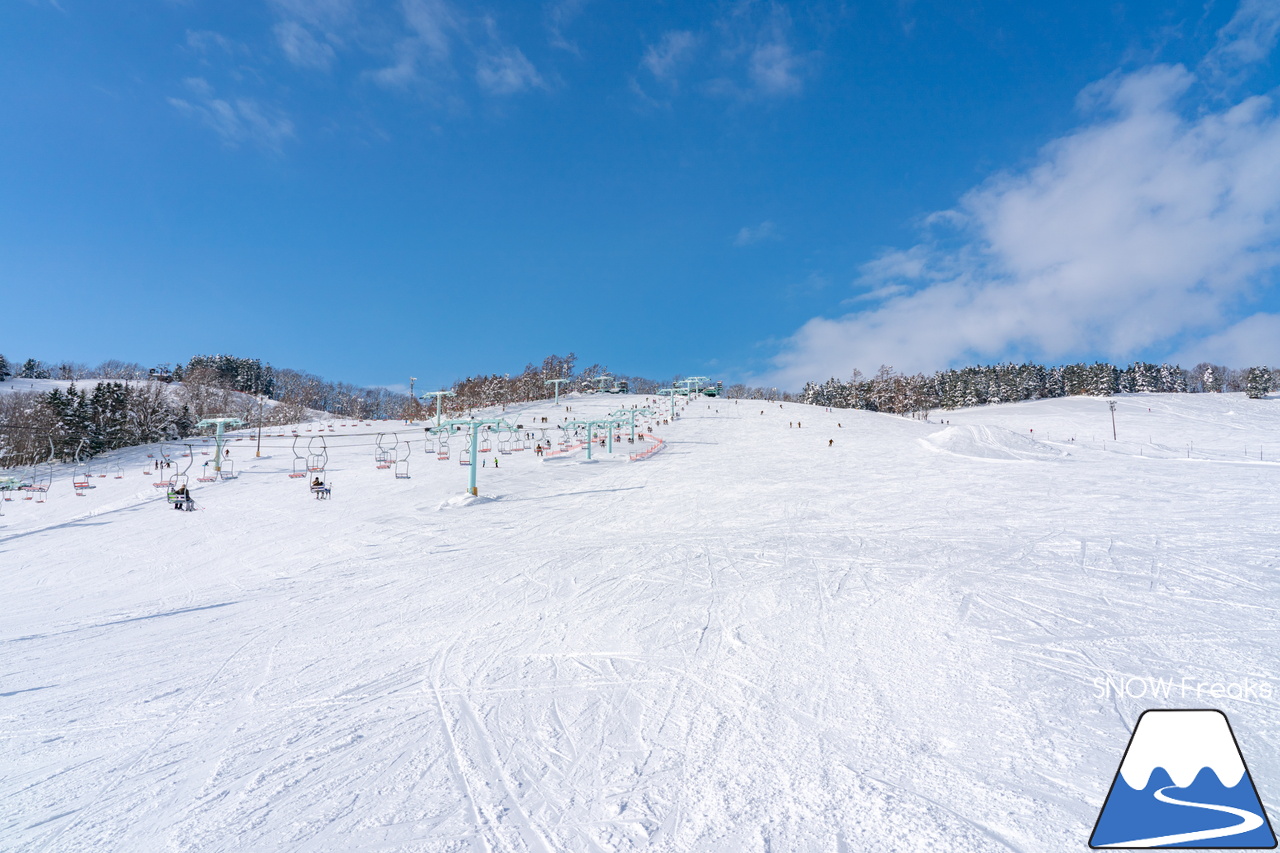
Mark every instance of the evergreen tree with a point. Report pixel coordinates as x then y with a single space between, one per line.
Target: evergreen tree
1213 378
1257 382
5 372
33 369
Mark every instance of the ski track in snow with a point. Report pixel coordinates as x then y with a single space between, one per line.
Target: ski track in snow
750 641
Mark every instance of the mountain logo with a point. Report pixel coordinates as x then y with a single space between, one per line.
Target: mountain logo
1183 783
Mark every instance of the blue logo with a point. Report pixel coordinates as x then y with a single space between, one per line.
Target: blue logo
1183 783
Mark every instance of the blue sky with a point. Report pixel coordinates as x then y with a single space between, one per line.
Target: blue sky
768 192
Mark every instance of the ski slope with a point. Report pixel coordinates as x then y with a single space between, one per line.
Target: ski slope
749 641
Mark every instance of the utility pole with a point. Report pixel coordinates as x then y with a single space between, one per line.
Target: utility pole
261 400
1112 405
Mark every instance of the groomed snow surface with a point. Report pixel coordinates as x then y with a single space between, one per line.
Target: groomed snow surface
749 641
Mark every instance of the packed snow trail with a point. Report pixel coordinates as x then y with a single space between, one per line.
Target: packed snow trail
749 641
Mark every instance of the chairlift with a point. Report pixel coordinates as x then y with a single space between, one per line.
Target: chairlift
317 457
485 445
180 478
464 458
442 449
80 472
299 461
40 483
402 462
321 491
382 456
180 499
228 471
119 472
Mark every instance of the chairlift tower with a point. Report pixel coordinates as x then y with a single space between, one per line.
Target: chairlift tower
671 398
557 383
439 395
610 423
631 414
219 438
474 424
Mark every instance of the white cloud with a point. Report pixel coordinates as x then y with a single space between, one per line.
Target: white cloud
1147 230
749 235
301 47
1250 36
237 121
559 15
431 25
774 69
506 71
1248 343
431 21
324 15
208 41
665 59
760 61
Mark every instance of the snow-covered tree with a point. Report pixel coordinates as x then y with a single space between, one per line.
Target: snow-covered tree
33 369
5 371
1212 377
1257 382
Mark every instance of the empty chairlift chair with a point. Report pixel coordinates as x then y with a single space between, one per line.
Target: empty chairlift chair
317 455
402 462
382 456
299 462
81 473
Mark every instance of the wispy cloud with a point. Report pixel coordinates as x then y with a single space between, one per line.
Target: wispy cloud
1249 37
1149 229
774 69
301 47
667 58
560 14
760 59
505 71
238 120
749 235
205 42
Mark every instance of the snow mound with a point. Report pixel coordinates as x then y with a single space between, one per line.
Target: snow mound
988 442
460 501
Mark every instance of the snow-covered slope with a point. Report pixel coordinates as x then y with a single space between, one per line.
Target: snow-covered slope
867 633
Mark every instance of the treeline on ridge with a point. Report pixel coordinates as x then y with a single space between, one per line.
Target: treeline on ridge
897 393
